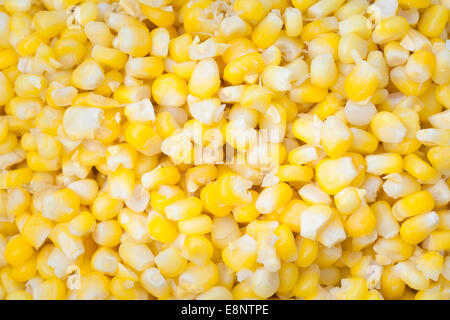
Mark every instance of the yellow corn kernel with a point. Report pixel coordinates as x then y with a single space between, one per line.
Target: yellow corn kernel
18 251
184 208
144 67
256 97
386 225
105 260
137 255
240 254
171 261
197 279
161 229
234 27
293 21
109 57
433 21
198 249
15 178
392 287
160 42
437 240
205 80
348 200
329 106
160 176
308 282
290 173
243 67
4 129
17 6
61 205
107 233
247 212
252 10
351 44
405 84
312 194
164 196
113 80
29 44
319 26
411 276
321 64
336 137
412 205
36 230
390 29
50 289
377 61
430 264
433 293
384 163
8 57
82 224
442 95
134 40
264 282
290 215
165 124
303 154
50 23
8 282
308 93
6 89
314 219
154 283
273 198
19 295
392 250
105 207
433 137
420 66
440 76
184 69
395 54
361 222
88 75
363 142
29 85
170 90
179 47
285 245
288 273
69 52
143 137
161 17
244 290
233 189
335 174
417 228
121 290
350 8
362 82
387 127
277 78
420 169
436 157
121 183
266 32
352 289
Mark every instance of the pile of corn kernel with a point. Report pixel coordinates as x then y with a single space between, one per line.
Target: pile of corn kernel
228 149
